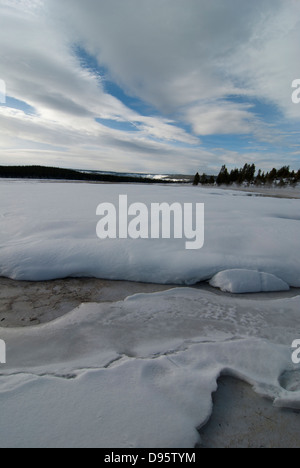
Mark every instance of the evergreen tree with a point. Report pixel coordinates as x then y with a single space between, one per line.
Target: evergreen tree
196 179
203 179
251 173
224 177
282 183
247 173
284 173
234 176
271 176
258 179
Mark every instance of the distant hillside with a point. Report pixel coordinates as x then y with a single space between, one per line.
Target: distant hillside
54 173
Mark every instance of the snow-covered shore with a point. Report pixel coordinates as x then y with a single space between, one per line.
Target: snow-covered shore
24 304
113 368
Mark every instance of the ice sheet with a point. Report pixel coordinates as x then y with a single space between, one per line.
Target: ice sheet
141 372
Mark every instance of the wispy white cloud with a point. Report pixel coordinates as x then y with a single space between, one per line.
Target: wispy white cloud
220 117
187 62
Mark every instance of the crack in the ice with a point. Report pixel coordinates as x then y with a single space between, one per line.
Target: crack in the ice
113 361
118 359
70 376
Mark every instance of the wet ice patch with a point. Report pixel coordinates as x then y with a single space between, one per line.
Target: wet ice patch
247 281
290 380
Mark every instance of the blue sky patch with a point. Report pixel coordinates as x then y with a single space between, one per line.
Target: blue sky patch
89 62
117 125
20 105
261 108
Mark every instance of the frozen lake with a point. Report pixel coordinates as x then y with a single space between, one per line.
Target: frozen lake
116 371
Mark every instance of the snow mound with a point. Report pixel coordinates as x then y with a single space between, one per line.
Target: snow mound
247 281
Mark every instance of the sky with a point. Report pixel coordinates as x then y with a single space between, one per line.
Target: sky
153 86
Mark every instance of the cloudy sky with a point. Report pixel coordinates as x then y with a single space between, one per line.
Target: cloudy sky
171 86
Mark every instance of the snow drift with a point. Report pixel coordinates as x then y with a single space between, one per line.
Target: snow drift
246 281
48 231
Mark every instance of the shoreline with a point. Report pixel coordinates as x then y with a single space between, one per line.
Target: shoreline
243 419
240 417
289 193
27 303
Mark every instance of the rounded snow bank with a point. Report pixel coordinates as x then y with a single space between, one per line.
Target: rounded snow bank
247 281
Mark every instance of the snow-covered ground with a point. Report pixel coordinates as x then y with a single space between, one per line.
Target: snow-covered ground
141 372
49 232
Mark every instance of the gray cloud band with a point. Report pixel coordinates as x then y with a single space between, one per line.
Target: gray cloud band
296 93
2 92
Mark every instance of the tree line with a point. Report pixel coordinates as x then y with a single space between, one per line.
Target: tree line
247 175
55 173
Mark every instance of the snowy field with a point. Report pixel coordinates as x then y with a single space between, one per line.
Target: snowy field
49 232
141 372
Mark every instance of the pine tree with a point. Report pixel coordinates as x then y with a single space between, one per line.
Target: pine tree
234 176
282 183
196 179
272 176
224 177
284 173
203 179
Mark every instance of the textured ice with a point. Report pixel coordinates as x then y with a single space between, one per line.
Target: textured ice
141 372
247 281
